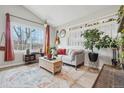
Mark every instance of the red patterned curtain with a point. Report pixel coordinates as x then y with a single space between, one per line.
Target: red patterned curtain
9 52
47 39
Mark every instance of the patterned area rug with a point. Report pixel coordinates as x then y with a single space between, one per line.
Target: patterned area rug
32 76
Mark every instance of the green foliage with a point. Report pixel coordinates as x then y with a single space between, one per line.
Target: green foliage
120 13
122 55
104 42
92 36
121 43
121 40
114 43
49 51
54 48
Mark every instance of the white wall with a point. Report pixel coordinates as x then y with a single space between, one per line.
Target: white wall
105 55
22 12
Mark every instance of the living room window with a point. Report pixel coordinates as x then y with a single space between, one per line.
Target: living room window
27 37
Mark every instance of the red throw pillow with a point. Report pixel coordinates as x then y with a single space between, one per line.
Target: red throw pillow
61 51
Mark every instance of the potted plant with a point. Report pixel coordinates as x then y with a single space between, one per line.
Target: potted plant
54 51
92 37
107 42
115 48
49 55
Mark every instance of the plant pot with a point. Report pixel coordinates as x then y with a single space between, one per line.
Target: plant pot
49 56
93 56
114 62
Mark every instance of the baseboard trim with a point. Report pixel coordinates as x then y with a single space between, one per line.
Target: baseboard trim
4 67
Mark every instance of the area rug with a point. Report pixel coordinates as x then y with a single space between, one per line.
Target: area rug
32 76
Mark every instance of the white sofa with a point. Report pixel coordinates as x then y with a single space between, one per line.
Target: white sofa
73 57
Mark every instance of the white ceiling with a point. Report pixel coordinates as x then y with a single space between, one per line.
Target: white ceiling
57 15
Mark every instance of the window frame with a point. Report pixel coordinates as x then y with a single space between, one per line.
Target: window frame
30 27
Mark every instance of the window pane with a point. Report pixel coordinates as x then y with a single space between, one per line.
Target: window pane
27 37
37 39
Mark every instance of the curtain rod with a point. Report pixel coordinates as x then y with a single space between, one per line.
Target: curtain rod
25 19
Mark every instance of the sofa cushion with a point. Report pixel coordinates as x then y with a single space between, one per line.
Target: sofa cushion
69 51
66 58
61 51
59 57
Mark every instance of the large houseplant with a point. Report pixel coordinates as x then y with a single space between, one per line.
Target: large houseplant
92 37
104 42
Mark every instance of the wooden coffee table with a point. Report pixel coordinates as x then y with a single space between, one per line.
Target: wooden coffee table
52 66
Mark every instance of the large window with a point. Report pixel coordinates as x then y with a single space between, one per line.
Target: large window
27 37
